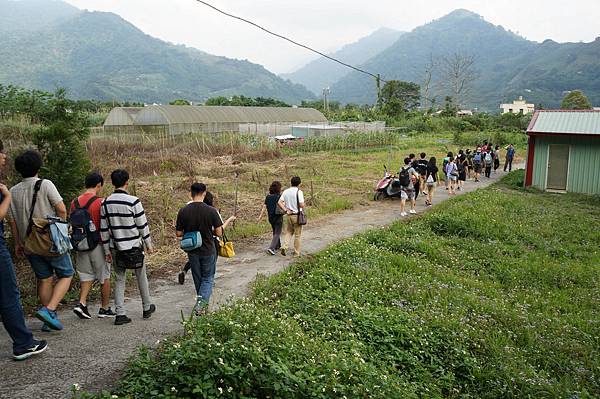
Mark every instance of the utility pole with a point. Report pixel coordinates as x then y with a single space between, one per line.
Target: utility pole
326 93
378 82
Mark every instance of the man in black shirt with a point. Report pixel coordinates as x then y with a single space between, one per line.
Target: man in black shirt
199 217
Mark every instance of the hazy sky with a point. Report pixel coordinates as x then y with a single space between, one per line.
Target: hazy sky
329 24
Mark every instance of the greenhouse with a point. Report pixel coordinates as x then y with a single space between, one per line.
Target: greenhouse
180 119
121 120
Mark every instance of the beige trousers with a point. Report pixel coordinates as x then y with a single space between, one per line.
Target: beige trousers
292 228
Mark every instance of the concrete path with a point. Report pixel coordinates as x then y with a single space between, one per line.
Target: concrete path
92 352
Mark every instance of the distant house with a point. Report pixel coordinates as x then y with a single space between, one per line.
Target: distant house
464 112
564 151
519 106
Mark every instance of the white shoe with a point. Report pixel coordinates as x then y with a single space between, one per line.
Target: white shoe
412 212
403 214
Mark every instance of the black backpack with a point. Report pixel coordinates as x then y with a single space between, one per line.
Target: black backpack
85 236
404 177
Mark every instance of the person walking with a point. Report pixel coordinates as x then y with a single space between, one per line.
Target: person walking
124 231
292 202
462 166
496 158
477 163
271 207
35 198
11 312
407 176
510 155
422 169
90 257
208 200
432 178
488 160
452 175
444 164
198 217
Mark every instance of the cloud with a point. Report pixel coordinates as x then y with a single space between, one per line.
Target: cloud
328 25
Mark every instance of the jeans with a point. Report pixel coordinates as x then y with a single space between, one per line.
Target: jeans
508 164
11 311
46 266
276 241
203 273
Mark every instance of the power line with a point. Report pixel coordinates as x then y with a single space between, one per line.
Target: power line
377 77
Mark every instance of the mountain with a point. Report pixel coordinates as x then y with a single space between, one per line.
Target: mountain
506 64
323 72
99 55
32 15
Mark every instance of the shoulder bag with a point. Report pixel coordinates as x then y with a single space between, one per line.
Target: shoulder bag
190 241
301 215
226 247
129 259
38 240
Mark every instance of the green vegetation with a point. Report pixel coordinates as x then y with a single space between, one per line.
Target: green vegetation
576 100
246 101
493 294
506 65
101 56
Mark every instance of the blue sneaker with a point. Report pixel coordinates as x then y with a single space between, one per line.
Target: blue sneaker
49 317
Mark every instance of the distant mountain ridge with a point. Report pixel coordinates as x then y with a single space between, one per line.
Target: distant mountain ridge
507 64
99 55
323 72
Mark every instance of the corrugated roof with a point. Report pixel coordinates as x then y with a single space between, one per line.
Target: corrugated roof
565 122
190 114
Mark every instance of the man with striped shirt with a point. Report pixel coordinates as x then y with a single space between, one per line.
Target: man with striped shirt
124 227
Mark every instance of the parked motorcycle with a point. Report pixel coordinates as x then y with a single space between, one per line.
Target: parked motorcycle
388 187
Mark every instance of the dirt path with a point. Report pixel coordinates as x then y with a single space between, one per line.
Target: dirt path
91 353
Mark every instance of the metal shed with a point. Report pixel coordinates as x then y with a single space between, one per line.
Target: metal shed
179 119
564 151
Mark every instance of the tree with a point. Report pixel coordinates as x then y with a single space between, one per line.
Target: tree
458 75
61 141
398 97
576 100
430 68
180 101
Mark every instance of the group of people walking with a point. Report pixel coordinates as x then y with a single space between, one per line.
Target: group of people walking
106 231
421 176
110 233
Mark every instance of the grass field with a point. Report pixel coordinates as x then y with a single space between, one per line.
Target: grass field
494 294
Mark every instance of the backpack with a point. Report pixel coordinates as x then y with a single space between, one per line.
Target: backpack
477 158
422 166
404 177
488 159
84 234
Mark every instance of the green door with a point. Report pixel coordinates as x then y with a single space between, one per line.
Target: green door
558 167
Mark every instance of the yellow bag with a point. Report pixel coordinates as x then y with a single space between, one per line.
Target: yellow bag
226 248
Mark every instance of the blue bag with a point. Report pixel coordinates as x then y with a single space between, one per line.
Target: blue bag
190 241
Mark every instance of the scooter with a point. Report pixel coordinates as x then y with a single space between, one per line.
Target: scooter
388 187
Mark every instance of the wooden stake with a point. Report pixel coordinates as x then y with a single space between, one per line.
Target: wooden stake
236 198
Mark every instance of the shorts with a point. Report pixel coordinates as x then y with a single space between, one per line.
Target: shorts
92 265
477 167
46 266
453 177
407 193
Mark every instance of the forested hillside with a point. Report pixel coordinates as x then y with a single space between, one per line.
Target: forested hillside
101 56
